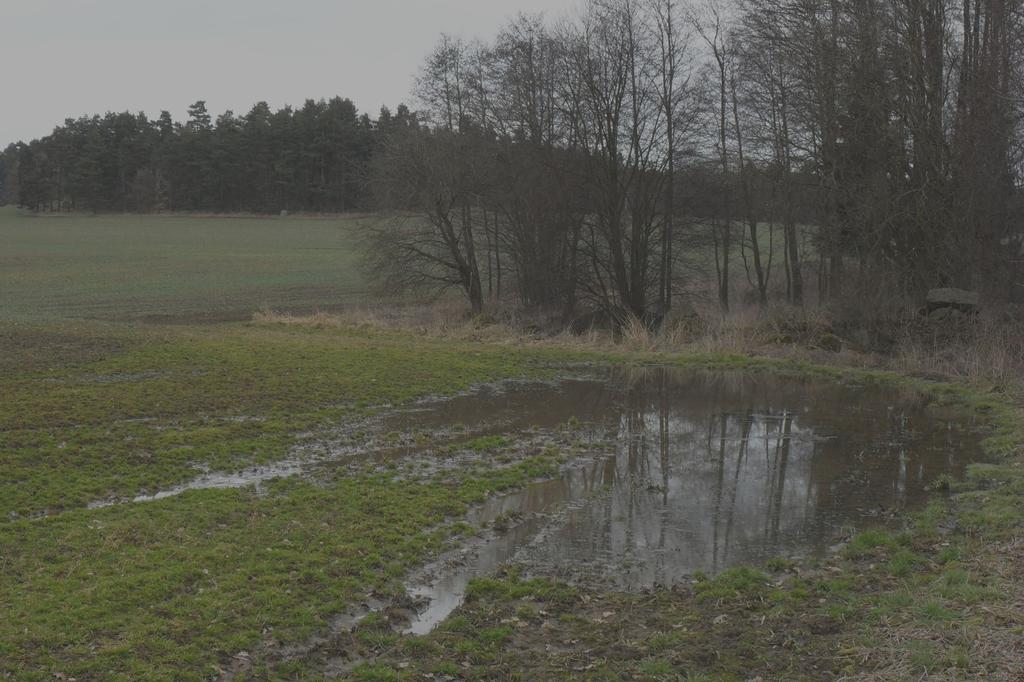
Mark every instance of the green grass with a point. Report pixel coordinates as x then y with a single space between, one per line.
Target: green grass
171 589
98 403
884 586
177 268
224 396
867 542
732 583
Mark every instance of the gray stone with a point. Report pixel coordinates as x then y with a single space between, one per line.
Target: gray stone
957 299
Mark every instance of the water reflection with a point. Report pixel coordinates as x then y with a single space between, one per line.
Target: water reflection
693 471
713 470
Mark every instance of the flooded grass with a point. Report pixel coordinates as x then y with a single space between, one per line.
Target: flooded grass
224 398
680 472
516 490
166 588
201 577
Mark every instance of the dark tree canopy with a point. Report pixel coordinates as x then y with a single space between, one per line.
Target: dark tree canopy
790 149
312 158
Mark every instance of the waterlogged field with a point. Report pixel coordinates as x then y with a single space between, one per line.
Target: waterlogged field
185 495
172 589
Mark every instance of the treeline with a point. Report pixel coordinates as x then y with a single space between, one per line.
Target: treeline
793 148
313 158
797 150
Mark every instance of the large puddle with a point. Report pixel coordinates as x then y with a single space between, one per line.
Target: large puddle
692 471
673 472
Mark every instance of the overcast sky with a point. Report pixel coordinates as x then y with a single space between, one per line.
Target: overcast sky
66 58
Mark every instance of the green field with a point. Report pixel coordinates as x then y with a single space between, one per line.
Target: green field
126 365
174 268
129 362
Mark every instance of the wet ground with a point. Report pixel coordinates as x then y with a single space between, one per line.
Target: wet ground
671 472
690 471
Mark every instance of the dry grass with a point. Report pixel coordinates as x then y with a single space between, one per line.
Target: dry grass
985 351
988 637
443 319
741 332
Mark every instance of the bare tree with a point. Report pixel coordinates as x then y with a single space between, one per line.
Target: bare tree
435 176
767 82
443 83
673 85
883 136
710 25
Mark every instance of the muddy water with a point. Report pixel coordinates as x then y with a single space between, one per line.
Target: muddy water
696 471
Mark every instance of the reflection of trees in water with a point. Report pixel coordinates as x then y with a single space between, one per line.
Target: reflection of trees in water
690 486
718 468
707 476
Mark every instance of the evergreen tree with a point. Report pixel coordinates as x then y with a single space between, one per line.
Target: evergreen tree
314 158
